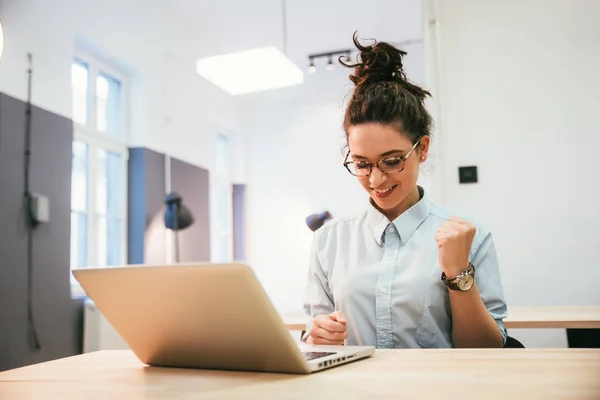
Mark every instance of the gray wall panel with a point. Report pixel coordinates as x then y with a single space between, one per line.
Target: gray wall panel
192 183
58 318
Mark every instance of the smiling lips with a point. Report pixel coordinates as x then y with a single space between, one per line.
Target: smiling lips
382 193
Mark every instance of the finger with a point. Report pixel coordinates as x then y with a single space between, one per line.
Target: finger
442 238
338 316
323 321
317 332
446 228
451 226
445 235
464 223
317 340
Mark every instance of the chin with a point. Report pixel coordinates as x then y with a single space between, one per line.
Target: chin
386 204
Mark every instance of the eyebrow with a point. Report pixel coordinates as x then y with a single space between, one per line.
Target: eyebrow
387 153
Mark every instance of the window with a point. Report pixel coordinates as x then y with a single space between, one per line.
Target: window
98 178
221 203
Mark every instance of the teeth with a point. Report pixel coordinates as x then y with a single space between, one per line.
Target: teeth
381 191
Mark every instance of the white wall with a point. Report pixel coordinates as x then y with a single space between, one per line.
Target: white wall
294 168
173 109
313 26
520 98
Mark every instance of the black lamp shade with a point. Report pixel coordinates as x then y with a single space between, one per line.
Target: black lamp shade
315 221
177 216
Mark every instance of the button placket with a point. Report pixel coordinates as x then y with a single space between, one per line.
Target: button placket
383 289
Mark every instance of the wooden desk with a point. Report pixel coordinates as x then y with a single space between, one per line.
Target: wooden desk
565 317
406 374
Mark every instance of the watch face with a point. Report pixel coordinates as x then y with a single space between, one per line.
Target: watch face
466 283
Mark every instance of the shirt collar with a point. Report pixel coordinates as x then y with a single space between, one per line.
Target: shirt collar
406 224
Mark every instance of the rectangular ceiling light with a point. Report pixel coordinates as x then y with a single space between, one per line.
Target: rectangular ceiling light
250 71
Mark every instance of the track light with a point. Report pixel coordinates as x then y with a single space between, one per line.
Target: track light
311 68
330 65
345 55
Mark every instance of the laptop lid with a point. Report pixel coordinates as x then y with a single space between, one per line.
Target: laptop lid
211 316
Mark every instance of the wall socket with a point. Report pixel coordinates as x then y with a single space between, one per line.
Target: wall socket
467 174
40 208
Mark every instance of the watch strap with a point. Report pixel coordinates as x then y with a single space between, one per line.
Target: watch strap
454 283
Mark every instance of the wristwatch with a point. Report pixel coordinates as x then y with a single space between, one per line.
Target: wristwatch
463 282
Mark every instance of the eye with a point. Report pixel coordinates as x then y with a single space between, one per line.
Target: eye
392 161
362 165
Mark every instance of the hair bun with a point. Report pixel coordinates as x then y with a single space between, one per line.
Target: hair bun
378 62
382 62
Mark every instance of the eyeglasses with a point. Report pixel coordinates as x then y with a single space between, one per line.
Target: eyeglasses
388 165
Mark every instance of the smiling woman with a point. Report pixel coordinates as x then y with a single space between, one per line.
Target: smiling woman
406 272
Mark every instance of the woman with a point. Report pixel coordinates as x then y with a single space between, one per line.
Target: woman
405 273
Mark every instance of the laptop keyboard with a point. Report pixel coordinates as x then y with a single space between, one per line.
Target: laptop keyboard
311 355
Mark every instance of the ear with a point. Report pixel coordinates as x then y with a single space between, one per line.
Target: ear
424 148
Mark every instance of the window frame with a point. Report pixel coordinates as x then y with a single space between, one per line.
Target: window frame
220 181
95 141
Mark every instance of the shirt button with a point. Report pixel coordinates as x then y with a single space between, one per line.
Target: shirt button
383 289
391 229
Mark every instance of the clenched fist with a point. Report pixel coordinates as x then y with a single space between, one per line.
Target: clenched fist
328 329
454 239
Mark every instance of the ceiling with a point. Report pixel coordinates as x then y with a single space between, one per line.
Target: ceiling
313 26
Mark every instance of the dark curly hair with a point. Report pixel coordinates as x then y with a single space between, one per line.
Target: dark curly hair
382 93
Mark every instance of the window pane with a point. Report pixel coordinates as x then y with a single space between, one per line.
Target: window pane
79 251
224 248
109 186
79 177
223 156
108 113
79 84
110 241
114 233
224 208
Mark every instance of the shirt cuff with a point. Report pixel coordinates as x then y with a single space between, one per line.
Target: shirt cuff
502 330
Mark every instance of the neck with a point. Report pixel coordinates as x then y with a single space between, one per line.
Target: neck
412 199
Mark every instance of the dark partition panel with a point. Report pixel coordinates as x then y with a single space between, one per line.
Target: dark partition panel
193 185
58 318
239 226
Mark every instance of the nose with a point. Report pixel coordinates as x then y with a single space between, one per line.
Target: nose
377 178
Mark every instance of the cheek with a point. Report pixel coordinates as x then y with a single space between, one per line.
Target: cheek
365 182
409 176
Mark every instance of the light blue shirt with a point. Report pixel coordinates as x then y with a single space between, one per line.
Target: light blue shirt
385 277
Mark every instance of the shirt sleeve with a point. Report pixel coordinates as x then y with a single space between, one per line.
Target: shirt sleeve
488 279
318 299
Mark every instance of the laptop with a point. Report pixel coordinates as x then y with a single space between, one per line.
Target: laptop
208 316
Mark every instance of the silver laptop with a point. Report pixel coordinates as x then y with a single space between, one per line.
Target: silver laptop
209 316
